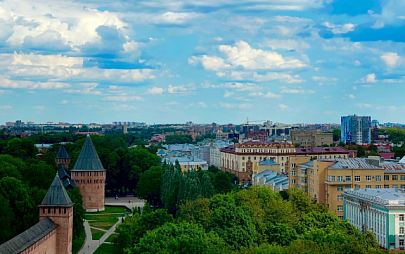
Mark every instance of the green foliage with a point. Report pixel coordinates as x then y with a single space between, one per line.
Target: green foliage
361 151
281 234
336 134
223 183
373 149
196 211
214 169
179 238
179 139
149 185
21 148
206 136
78 212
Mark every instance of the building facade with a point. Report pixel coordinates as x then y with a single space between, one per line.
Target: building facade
311 138
380 211
356 129
89 175
188 162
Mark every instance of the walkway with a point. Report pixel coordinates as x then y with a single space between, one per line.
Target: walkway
124 201
90 246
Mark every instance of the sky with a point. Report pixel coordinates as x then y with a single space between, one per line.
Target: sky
160 61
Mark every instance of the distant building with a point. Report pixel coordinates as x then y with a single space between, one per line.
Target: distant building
356 129
258 135
274 180
380 211
188 162
114 129
311 138
10 124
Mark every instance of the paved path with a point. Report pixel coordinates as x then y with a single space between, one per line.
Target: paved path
90 246
124 201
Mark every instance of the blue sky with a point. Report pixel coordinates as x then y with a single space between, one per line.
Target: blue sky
202 61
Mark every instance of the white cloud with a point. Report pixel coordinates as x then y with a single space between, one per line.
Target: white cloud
370 78
39 107
274 44
20 84
181 89
218 38
324 79
228 94
172 103
267 95
354 87
155 90
390 59
363 105
177 18
393 80
291 19
250 59
235 85
120 107
85 88
198 105
122 97
351 96
231 105
357 63
296 91
64 101
340 29
6 107
268 76
283 107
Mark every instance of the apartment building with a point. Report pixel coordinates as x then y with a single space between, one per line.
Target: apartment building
311 138
325 180
381 211
356 129
188 162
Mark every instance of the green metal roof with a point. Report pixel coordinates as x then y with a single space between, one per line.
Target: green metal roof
56 195
62 153
28 237
88 159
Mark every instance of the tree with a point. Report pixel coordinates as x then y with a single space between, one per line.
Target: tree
207 190
21 148
179 238
7 229
149 186
360 151
140 160
39 174
222 183
196 212
214 169
281 234
336 134
78 212
373 149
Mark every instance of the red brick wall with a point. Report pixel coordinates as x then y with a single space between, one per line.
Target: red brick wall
46 244
63 217
92 188
64 162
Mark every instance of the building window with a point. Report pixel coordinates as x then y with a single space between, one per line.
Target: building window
243 169
340 198
243 158
378 186
331 178
340 208
340 188
368 186
357 178
341 217
357 187
402 186
401 243
282 164
348 178
395 186
340 178
249 158
368 178
378 178
401 217
395 178
293 181
254 158
386 186
293 173
386 178
401 230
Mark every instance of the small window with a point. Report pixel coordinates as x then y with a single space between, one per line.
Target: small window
386 186
340 188
293 173
293 181
378 178
65 210
378 186
401 217
403 178
348 178
401 242
357 178
368 178
386 178
395 178
341 217
368 186
401 230
340 198
340 208
395 186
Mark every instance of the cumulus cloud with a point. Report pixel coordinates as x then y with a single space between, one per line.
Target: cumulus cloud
296 91
180 89
198 105
370 78
241 54
274 44
120 107
233 105
228 94
235 86
155 90
64 102
324 79
351 96
284 107
122 97
390 59
340 29
171 103
267 95
254 76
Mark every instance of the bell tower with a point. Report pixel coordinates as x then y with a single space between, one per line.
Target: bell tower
58 207
62 157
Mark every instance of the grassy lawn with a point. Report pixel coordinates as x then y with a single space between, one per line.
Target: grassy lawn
105 249
96 234
78 243
113 209
110 239
104 224
102 217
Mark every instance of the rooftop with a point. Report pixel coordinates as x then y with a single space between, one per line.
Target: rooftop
268 162
28 237
184 159
88 159
62 153
272 177
321 150
308 164
393 197
56 195
351 163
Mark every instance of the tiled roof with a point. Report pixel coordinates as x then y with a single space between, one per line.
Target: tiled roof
161 151
308 164
62 153
351 163
56 195
28 237
268 162
69 184
383 196
393 167
88 159
387 155
321 150
63 172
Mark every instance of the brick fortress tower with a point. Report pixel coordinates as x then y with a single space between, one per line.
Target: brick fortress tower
58 207
89 175
62 157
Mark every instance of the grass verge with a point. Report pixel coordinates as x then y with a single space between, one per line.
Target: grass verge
105 249
104 224
96 234
78 243
113 209
110 239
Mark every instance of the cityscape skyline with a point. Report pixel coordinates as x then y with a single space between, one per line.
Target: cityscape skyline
294 61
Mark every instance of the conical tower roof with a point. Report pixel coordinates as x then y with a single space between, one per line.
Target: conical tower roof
62 153
56 195
88 159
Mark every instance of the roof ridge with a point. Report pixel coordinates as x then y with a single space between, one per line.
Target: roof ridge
88 159
56 195
62 153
